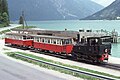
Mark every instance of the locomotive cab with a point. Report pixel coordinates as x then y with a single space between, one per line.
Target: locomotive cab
102 49
94 41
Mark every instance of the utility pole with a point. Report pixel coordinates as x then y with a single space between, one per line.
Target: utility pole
23 19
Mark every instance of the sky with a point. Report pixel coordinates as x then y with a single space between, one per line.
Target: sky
104 2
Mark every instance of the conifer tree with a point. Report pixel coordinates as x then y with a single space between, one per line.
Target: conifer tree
21 20
0 6
5 18
4 6
4 15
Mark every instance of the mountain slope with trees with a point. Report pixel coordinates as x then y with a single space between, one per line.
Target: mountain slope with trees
52 9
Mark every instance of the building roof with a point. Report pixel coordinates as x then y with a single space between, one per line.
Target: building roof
53 37
42 36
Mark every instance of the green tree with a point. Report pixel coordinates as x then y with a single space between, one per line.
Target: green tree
21 20
4 15
1 17
4 6
0 6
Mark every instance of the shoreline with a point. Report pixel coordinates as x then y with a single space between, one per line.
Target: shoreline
10 27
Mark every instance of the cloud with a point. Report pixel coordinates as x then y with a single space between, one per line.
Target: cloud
104 2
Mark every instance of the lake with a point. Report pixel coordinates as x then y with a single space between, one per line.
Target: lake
108 25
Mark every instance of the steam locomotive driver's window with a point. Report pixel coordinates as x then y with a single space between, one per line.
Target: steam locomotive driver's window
94 41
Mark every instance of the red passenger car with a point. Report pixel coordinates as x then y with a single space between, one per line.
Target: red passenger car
53 43
19 39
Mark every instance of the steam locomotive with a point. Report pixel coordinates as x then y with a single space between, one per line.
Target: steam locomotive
90 49
93 50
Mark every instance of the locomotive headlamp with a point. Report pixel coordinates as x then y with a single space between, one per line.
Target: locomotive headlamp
106 50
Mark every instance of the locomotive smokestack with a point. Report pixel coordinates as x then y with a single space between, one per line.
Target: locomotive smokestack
78 37
83 40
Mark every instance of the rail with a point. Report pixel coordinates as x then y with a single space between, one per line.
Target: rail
112 66
67 68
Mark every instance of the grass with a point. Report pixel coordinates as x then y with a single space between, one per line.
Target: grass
4 31
5 49
59 63
12 54
2 25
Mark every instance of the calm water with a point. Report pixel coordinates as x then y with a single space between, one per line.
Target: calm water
76 25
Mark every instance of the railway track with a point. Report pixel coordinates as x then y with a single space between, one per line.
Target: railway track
112 66
106 65
101 77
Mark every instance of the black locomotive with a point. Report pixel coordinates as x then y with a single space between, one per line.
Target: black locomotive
92 49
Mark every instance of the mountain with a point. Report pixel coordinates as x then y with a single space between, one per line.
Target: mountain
111 12
52 9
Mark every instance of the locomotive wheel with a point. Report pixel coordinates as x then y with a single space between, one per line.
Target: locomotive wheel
99 61
74 57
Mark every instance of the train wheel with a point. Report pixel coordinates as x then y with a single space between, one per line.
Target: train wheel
36 50
24 47
47 51
99 61
13 44
74 57
67 56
